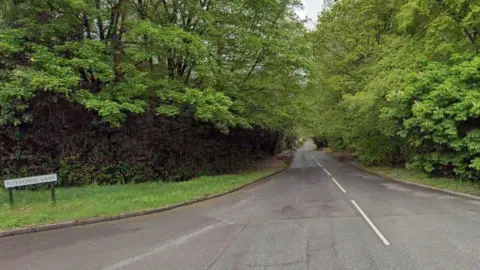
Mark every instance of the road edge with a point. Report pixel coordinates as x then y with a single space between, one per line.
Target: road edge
73 223
451 192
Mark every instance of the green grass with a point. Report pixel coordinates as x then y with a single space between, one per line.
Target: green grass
33 207
406 175
412 176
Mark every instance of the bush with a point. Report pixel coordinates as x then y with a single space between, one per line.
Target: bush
441 117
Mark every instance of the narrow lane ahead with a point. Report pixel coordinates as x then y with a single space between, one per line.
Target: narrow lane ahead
298 219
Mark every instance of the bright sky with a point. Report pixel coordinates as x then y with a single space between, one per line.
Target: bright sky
311 9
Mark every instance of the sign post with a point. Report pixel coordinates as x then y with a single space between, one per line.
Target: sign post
10 196
19 182
52 193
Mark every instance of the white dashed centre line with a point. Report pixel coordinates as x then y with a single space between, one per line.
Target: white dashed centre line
377 231
344 191
316 161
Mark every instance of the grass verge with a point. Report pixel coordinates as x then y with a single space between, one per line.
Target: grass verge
33 207
412 176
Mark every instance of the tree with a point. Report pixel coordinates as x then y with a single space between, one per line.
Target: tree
123 78
397 81
205 59
348 43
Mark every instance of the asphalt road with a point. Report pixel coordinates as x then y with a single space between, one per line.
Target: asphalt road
298 219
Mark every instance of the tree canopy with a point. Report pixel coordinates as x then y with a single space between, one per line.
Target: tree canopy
116 91
237 63
389 81
399 81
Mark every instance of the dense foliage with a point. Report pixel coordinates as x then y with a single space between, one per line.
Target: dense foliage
232 63
103 64
84 84
400 81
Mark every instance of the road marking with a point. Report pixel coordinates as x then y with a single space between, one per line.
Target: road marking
159 248
380 235
344 191
243 201
316 161
224 221
225 247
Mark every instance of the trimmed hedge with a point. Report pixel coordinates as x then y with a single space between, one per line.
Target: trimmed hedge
70 140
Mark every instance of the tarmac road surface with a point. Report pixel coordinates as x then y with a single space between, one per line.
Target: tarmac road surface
299 219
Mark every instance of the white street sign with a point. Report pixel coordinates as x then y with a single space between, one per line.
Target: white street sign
30 180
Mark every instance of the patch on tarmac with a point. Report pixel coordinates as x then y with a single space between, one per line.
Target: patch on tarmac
366 176
474 202
423 194
395 187
445 197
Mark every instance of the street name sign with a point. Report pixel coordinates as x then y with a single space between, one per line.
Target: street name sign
30 180
33 180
